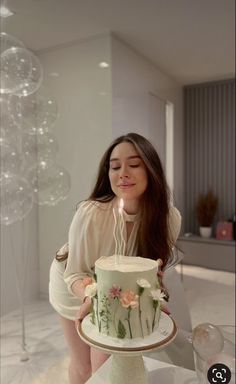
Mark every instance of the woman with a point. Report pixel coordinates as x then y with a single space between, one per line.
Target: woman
130 169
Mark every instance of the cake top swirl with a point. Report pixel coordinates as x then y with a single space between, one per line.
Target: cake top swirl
126 263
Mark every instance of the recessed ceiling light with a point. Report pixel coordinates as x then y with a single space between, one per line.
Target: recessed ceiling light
103 64
5 12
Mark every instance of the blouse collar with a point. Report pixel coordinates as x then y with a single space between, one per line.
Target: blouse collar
127 217
131 218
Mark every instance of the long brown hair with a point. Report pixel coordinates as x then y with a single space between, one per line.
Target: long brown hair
153 239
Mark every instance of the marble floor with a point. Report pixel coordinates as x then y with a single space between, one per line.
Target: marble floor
209 293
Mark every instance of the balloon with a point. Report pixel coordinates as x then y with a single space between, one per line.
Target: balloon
4 105
34 113
50 183
16 69
16 198
10 157
207 340
9 130
8 41
35 79
37 148
47 146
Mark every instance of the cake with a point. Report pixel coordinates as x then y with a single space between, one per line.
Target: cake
126 296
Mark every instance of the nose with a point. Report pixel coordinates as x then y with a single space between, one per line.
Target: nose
124 172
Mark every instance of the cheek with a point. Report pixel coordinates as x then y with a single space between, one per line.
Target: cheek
111 178
144 178
144 181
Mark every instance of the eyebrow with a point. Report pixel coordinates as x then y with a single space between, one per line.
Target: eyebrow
128 158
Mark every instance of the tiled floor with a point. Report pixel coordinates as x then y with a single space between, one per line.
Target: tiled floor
210 295
44 341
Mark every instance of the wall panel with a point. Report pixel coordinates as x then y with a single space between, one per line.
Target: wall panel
209 120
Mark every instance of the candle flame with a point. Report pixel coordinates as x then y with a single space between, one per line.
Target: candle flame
121 205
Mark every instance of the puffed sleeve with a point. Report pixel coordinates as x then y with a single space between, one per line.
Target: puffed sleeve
83 245
174 224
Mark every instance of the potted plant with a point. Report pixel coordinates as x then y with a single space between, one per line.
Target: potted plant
206 209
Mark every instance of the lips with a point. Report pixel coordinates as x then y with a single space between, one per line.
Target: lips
126 185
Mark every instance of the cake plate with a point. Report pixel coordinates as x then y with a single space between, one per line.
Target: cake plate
127 365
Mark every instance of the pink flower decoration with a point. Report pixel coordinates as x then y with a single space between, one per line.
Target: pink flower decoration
129 299
87 281
114 292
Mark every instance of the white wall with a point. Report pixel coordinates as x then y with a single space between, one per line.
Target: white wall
83 93
133 77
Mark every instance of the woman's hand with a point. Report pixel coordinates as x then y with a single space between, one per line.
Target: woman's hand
83 311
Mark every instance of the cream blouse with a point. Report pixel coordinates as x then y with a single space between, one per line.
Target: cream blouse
91 236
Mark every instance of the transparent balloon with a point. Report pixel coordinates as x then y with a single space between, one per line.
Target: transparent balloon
4 105
10 132
213 345
16 69
8 129
40 147
47 146
8 41
50 182
207 340
11 158
29 151
16 198
35 79
34 113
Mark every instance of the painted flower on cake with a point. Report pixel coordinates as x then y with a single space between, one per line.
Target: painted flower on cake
143 283
91 290
129 299
114 292
157 295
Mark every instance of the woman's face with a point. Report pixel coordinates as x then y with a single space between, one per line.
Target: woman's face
127 173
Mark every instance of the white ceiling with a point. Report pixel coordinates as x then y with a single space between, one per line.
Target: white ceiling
190 40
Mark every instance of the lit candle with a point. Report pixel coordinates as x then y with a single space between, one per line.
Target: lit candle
122 226
115 232
118 232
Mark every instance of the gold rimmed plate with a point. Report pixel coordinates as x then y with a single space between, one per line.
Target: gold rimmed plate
161 337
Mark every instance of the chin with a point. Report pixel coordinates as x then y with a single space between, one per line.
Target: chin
130 196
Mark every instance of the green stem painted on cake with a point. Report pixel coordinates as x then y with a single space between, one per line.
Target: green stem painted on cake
128 319
97 313
140 316
104 313
155 306
114 316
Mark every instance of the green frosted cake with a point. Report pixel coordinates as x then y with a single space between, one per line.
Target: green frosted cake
126 296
